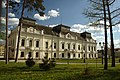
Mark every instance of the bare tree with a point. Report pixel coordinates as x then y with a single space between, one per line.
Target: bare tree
96 13
6 45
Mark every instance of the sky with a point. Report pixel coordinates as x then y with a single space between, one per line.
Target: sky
66 12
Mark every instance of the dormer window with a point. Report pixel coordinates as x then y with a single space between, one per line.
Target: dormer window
31 29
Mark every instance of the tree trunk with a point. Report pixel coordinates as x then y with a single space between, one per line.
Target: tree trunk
19 30
111 35
6 46
105 65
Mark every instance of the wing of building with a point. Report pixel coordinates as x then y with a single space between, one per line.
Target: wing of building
58 42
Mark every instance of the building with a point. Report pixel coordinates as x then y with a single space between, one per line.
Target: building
2 50
57 42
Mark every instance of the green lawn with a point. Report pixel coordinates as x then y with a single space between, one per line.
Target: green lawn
19 71
99 60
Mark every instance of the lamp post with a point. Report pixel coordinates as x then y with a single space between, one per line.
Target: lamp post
102 49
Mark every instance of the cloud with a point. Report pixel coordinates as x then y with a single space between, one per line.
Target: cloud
53 25
53 13
37 16
98 33
11 21
11 14
3 4
18 1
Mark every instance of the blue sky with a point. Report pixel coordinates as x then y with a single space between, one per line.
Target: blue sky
70 13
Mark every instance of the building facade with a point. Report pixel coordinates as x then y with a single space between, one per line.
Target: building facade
2 50
57 42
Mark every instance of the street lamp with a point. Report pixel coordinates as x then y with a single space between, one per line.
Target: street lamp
102 49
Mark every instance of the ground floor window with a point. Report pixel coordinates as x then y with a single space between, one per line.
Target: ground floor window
73 55
78 55
68 55
92 55
22 54
36 54
95 55
89 55
84 55
62 55
46 55
29 54
54 55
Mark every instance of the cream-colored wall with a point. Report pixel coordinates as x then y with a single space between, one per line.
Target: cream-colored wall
36 35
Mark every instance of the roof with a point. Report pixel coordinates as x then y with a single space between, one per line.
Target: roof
55 30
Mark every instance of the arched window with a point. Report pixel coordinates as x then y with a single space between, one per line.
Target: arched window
30 43
37 54
23 42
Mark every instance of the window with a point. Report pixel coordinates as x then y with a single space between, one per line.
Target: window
29 54
46 44
68 45
68 55
95 55
36 54
54 45
84 55
89 48
23 42
62 45
62 55
89 55
78 47
30 43
83 47
46 55
73 55
22 54
78 55
13 42
73 46
94 48
92 55
37 43
54 55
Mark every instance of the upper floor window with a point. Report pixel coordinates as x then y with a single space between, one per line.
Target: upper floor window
30 43
73 46
46 44
89 48
83 47
62 45
37 43
23 42
54 45
94 48
68 45
78 47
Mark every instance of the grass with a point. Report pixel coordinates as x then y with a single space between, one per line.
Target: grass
99 60
19 71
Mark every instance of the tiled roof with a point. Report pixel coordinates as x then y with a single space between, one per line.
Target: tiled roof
55 30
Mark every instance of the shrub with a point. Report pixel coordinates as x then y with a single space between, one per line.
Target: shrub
47 63
30 62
